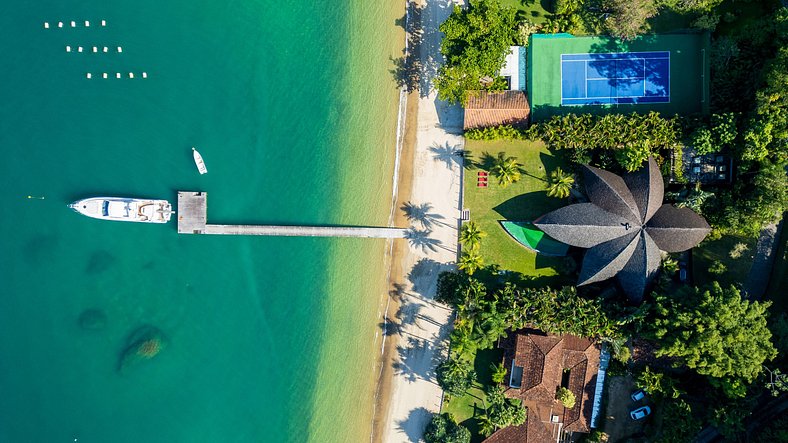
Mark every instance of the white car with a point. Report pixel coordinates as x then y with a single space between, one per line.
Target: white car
640 413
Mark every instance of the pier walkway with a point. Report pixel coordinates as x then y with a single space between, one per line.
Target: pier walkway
192 219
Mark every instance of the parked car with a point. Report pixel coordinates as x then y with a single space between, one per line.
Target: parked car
640 413
683 272
638 395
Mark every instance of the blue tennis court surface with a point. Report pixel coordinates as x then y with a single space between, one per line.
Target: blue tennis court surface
615 78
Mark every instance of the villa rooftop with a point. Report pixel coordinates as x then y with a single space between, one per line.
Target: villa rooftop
494 108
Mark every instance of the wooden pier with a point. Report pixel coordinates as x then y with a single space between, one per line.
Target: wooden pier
192 219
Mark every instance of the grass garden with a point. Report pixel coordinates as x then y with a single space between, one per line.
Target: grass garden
524 200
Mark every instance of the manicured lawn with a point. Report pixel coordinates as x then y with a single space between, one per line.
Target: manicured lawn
536 11
737 269
525 200
466 408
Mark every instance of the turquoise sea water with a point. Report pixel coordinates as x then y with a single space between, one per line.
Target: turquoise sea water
268 339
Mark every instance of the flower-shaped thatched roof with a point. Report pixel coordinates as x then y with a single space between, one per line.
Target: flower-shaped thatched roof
624 226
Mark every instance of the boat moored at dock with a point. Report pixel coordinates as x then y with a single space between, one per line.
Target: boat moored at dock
124 209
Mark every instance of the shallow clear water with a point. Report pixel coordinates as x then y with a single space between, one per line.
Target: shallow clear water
265 336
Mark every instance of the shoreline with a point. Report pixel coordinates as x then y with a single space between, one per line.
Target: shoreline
396 252
428 182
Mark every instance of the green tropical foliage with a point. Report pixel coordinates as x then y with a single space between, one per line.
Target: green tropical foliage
470 261
501 411
715 332
632 138
475 45
498 372
443 429
455 376
471 235
566 397
658 384
560 184
506 169
628 18
683 425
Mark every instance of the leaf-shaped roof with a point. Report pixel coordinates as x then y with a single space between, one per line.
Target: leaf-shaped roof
625 226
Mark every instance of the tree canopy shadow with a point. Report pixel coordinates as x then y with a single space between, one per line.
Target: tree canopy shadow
413 362
422 240
528 206
418 65
421 214
415 424
447 154
423 276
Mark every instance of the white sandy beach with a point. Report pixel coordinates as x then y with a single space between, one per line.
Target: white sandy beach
421 326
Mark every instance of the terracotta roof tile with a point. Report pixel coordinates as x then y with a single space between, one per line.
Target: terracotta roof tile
494 108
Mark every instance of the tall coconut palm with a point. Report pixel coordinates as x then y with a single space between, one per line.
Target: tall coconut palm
506 169
560 184
470 261
471 235
486 425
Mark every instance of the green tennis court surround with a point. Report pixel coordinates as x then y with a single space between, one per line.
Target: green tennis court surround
677 83
531 237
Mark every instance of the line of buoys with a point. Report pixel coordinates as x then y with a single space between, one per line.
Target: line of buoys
117 75
73 24
95 49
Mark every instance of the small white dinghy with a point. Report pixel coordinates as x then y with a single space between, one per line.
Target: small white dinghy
199 162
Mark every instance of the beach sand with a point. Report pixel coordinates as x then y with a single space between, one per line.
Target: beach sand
429 186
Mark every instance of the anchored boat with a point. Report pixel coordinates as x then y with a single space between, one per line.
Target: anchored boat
124 209
198 161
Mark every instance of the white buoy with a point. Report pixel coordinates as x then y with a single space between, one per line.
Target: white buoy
105 49
104 75
46 25
59 24
120 49
144 75
73 24
89 75
117 75
79 49
131 75
95 49
87 24
103 23
68 48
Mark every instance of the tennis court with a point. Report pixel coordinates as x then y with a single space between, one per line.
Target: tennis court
666 73
615 78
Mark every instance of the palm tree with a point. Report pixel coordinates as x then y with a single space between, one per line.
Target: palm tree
506 169
470 261
560 184
486 426
471 235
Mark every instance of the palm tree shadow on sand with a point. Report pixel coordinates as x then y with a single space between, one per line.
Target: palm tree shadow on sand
422 240
450 155
421 214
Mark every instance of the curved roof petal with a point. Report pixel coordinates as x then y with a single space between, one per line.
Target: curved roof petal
609 192
583 225
647 188
676 229
605 260
641 268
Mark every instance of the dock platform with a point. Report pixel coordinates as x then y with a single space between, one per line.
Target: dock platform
192 219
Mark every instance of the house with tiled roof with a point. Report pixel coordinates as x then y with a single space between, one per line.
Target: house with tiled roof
537 365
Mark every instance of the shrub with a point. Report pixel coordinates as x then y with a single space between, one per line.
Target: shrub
707 22
738 250
444 429
717 268
503 132
455 376
566 397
